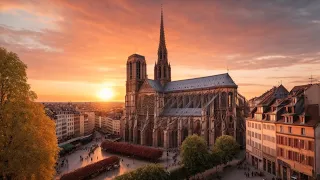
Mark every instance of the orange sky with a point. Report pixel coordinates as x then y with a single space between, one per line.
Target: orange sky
73 49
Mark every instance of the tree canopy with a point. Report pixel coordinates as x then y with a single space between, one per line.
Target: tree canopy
28 143
226 147
195 154
148 172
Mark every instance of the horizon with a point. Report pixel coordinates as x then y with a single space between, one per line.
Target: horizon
78 56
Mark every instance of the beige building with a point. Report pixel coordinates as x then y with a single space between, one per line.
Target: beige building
260 126
81 125
116 126
89 122
98 122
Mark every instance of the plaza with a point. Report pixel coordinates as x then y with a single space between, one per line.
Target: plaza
126 163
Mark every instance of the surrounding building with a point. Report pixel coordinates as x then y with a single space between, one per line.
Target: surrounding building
116 126
298 134
260 127
64 117
106 124
77 124
162 113
97 122
283 132
89 122
81 125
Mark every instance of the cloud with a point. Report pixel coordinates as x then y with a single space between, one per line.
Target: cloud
90 41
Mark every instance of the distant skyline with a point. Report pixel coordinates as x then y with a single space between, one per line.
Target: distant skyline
74 49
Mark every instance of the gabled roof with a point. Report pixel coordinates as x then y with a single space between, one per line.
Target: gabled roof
155 85
219 80
297 89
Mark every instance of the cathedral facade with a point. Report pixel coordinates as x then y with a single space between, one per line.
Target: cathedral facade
162 113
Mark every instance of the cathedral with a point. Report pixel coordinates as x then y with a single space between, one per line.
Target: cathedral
162 113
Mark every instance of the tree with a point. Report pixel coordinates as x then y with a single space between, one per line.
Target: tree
195 155
226 148
28 143
148 172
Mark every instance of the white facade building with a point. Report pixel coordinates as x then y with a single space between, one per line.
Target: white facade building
70 124
116 127
81 125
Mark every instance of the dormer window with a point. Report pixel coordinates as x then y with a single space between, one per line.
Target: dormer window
302 119
290 119
285 119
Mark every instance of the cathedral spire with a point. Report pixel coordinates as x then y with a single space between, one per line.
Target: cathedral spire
162 69
162 50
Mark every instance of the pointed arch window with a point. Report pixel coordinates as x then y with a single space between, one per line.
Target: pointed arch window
130 70
138 70
159 71
164 72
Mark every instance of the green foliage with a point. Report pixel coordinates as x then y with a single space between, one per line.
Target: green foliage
28 143
226 148
148 172
179 173
195 155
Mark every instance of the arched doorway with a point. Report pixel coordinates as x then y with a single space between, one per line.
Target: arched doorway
197 129
139 137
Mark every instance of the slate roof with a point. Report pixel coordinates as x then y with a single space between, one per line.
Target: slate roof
202 82
312 111
296 89
182 112
155 85
220 80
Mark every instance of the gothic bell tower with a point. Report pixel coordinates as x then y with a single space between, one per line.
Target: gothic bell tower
162 69
136 75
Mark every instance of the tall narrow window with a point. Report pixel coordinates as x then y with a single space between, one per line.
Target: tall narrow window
230 99
138 70
289 129
160 72
130 70
164 72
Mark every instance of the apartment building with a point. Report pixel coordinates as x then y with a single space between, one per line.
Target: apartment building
64 117
290 131
89 122
108 122
260 127
97 122
77 124
116 126
81 124
298 134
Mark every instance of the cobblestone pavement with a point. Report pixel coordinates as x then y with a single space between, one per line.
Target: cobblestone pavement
126 164
232 173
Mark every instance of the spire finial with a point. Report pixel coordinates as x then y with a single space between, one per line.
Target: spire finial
162 50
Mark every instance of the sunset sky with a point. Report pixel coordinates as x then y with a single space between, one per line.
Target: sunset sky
74 49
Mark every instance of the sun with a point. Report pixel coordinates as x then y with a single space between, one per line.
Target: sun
105 94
